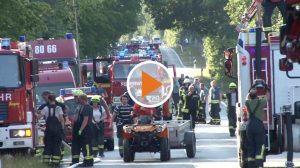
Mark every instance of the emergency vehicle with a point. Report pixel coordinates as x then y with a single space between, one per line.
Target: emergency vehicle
111 74
66 93
57 58
285 89
18 73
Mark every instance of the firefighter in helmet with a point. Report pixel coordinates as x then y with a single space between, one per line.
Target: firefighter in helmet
82 131
98 126
232 99
255 128
183 94
214 101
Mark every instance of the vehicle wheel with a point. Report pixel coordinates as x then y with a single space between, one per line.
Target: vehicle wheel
110 145
164 149
128 154
190 144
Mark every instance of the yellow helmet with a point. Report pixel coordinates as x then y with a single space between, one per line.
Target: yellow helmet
232 85
77 92
60 99
96 98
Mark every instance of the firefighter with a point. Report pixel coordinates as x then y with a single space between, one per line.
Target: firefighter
82 133
98 126
232 99
214 101
181 80
268 7
255 128
183 107
193 101
202 104
175 95
123 115
53 133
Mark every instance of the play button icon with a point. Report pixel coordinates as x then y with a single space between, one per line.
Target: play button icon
149 84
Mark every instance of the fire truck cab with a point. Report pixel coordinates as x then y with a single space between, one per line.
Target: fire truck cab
285 90
18 73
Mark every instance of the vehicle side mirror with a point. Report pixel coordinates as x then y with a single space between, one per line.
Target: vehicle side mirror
285 65
34 64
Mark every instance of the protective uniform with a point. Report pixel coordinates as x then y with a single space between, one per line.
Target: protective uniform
268 7
98 128
201 115
81 141
53 135
193 101
183 106
214 97
256 132
232 99
123 113
60 102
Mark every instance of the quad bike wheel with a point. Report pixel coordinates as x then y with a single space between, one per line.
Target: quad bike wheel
164 149
190 144
128 154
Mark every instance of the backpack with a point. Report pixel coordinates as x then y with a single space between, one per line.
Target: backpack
53 126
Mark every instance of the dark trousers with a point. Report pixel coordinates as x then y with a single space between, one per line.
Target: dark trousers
98 139
215 113
256 143
82 143
175 97
268 8
193 116
201 116
52 147
186 116
120 139
231 114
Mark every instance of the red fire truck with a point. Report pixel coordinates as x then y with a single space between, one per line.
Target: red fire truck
18 73
112 76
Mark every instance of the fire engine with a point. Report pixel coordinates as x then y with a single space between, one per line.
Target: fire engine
66 93
18 73
111 74
258 60
57 58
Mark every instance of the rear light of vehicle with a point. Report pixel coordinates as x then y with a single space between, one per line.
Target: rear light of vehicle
244 60
245 114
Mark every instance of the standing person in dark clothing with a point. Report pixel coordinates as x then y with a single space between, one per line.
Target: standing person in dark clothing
175 95
193 101
232 99
123 113
183 106
214 101
255 128
53 133
181 79
82 133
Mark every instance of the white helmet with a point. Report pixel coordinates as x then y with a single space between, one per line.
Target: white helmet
186 80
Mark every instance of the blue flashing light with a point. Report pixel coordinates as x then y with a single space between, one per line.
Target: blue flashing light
22 38
148 48
122 54
153 58
5 44
252 30
62 92
65 64
126 50
117 58
69 36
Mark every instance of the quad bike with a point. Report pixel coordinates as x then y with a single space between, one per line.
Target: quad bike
146 136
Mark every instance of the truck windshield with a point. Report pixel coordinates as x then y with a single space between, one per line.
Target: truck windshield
121 71
53 87
10 71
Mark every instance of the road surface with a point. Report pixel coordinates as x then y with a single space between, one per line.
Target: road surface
171 57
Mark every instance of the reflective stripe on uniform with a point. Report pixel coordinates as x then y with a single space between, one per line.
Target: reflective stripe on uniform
250 159
101 146
261 155
75 157
231 127
87 147
215 101
94 148
121 147
88 158
267 29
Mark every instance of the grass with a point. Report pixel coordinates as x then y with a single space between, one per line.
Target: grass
24 161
